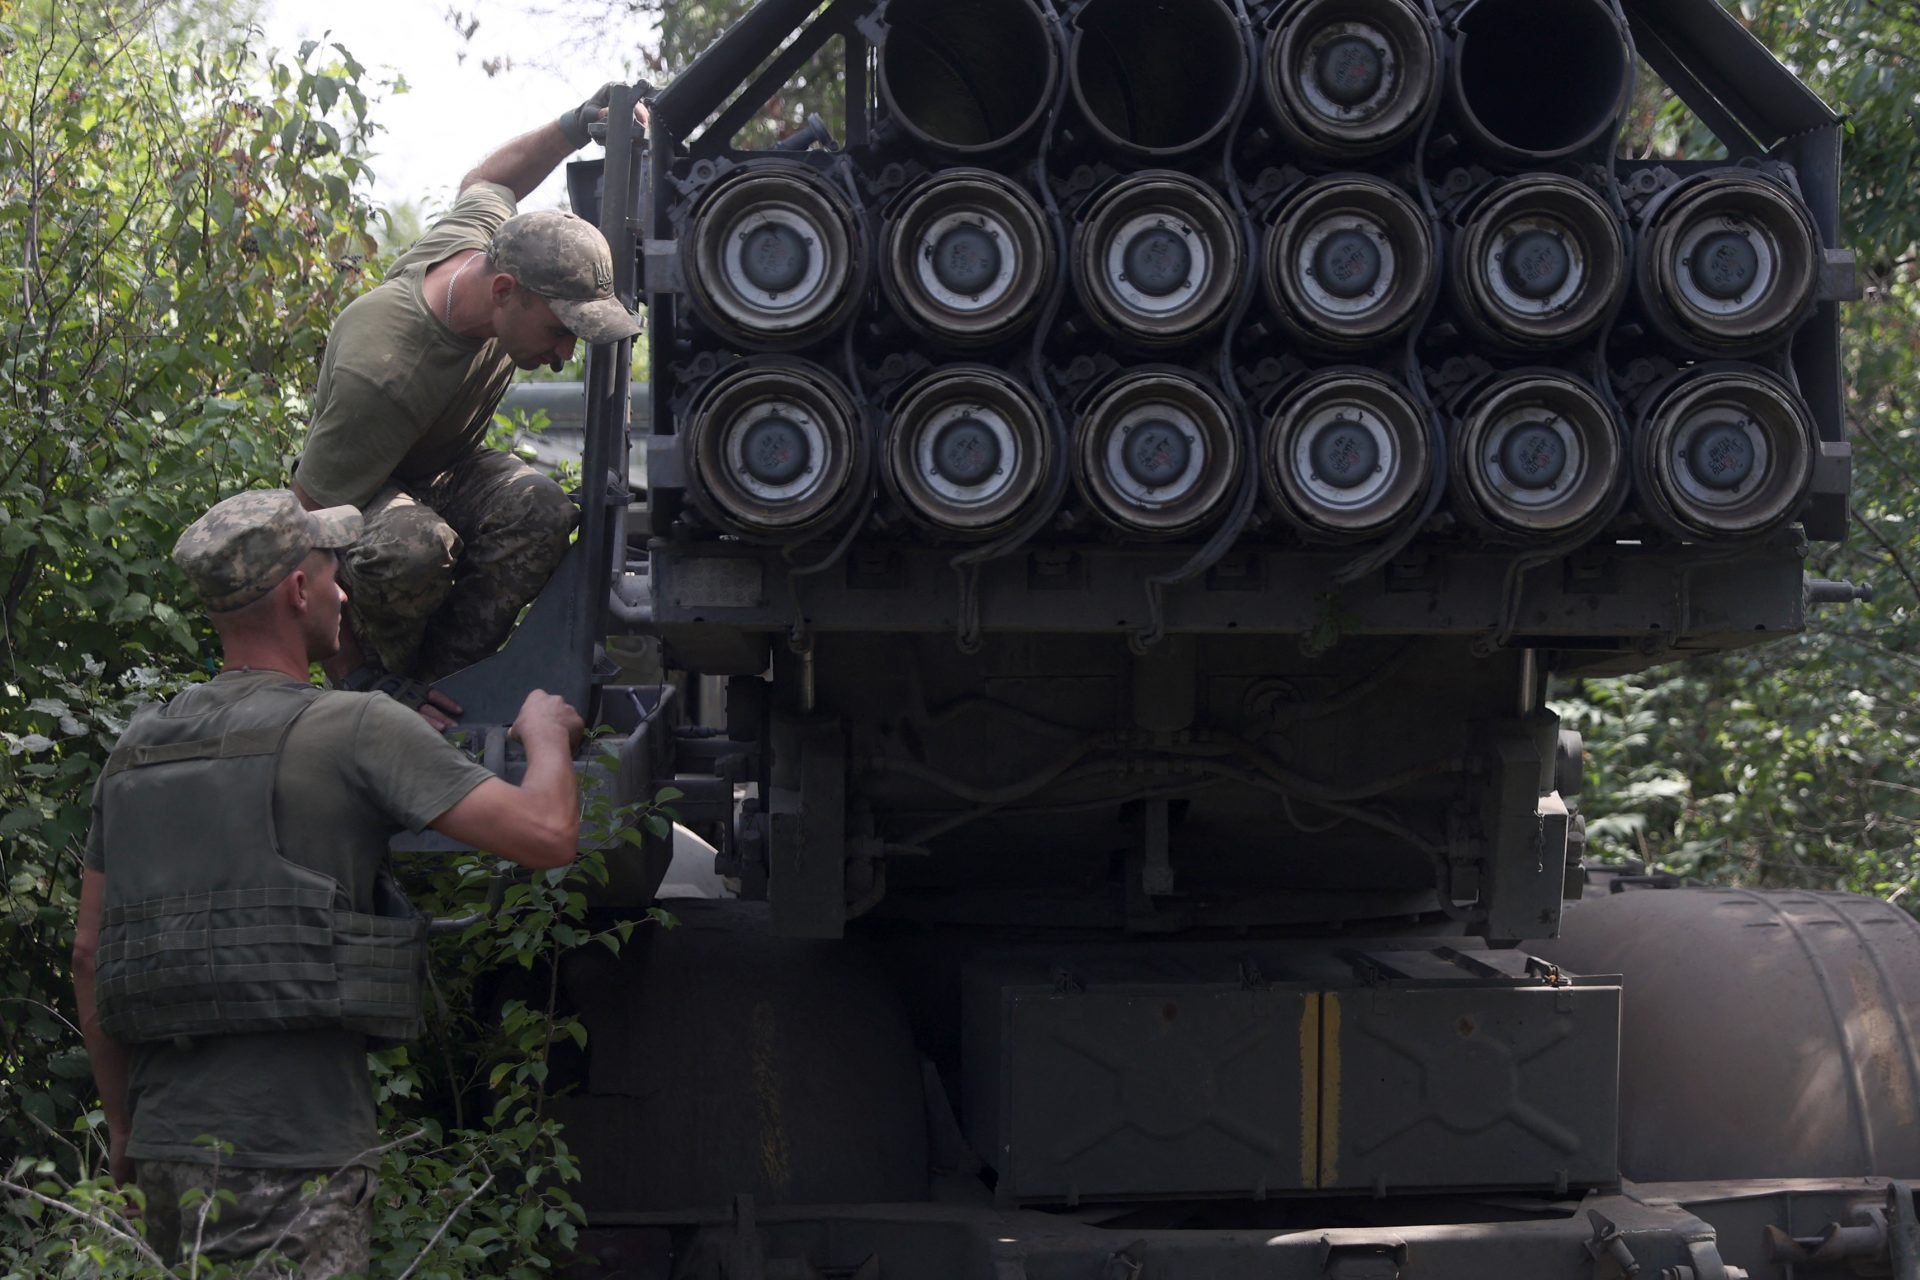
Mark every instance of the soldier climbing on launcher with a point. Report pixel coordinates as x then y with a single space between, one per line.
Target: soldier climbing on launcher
240 941
458 537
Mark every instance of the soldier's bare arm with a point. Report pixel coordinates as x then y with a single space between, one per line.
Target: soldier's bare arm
537 823
524 163
109 1056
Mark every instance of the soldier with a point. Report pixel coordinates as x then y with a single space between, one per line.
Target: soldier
457 536
241 941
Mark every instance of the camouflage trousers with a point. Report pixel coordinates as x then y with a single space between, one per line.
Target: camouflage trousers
442 569
271 1217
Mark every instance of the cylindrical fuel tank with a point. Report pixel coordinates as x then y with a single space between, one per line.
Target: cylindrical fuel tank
1764 1034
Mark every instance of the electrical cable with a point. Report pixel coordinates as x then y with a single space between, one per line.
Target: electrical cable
1247 490
966 565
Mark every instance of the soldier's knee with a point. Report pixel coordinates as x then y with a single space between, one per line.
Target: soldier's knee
534 518
547 508
403 562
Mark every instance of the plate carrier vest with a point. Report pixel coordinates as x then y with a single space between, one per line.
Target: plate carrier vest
208 930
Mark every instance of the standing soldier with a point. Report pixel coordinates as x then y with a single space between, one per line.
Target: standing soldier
241 940
458 536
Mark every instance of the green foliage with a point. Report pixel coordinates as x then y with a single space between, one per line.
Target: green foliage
180 219
479 1186
177 226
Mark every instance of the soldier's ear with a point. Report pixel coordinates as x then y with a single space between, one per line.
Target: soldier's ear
501 287
299 588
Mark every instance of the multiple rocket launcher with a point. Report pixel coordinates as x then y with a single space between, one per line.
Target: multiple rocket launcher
1181 271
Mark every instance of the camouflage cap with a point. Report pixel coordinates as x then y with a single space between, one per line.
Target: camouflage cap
245 545
565 260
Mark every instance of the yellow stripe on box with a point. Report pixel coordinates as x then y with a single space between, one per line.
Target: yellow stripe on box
1310 1091
1329 1090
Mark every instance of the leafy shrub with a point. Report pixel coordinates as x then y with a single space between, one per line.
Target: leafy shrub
178 226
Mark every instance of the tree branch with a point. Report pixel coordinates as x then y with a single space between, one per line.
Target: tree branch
441 1230
124 1230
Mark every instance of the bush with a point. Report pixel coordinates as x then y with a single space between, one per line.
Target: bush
178 226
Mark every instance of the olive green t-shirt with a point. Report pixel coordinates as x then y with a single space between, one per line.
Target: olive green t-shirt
356 768
401 396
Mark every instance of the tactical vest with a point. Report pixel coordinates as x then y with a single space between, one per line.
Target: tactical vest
208 930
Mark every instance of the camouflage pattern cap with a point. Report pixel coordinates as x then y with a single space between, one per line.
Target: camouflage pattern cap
565 260
245 545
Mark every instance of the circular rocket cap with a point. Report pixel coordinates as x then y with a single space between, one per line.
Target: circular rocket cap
1728 263
776 256
1724 266
968 258
1534 455
1350 78
1350 69
1539 263
1155 453
1344 453
1349 263
1157 259
1538 454
1345 456
773 449
967 451
1726 451
1722 455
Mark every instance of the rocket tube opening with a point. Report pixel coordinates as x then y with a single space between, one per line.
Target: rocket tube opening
1726 452
967 451
1540 262
775 451
775 258
1351 77
1345 455
1157 79
967 78
1155 453
1537 455
1349 263
1540 79
1157 258
968 258
1728 264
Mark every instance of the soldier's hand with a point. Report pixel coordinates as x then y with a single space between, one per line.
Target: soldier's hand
574 123
548 715
440 711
